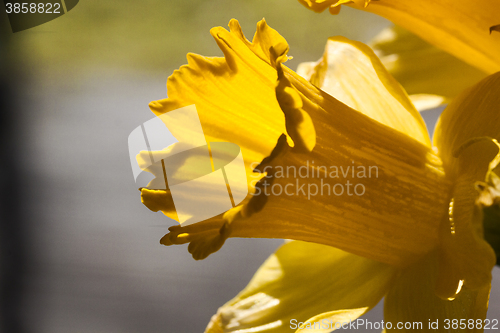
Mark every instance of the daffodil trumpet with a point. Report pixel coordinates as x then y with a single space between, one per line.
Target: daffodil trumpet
415 236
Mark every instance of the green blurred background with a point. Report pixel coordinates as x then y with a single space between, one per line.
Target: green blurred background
92 261
154 36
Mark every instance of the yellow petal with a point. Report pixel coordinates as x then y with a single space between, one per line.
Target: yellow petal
206 180
461 138
473 114
458 27
298 122
223 91
304 281
159 200
331 321
421 67
465 255
352 73
412 301
235 95
334 5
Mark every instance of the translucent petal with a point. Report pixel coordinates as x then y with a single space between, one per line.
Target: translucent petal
352 73
422 68
304 281
459 27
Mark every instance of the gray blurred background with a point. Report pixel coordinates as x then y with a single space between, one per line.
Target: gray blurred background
87 256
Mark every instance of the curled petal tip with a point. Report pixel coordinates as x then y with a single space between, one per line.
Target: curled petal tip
155 106
202 247
165 240
278 53
215 325
495 28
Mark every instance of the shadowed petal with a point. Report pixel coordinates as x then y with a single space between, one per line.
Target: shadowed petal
412 300
465 137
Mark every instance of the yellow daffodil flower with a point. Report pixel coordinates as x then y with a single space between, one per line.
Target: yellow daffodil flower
467 30
414 235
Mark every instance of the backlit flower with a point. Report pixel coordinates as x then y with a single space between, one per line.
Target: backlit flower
414 232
